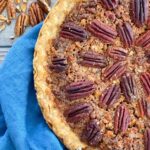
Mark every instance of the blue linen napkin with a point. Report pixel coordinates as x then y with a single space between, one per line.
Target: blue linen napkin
22 126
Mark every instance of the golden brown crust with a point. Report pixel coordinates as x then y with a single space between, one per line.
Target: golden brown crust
45 97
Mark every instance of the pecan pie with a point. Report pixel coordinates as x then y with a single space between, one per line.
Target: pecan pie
92 73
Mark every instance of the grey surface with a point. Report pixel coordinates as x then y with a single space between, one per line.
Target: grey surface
5 36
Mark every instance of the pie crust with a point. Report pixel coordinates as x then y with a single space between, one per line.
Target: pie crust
46 99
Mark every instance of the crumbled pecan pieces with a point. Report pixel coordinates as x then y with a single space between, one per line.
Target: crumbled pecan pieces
126 34
3 4
128 87
118 53
110 95
139 12
121 119
23 7
59 64
93 59
110 4
36 14
147 139
145 80
77 112
143 40
115 71
73 32
92 134
11 9
89 4
104 32
80 89
144 107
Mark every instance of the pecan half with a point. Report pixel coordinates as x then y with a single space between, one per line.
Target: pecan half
11 9
126 34
102 31
139 12
36 14
21 22
122 119
118 53
110 4
78 112
147 55
59 64
79 89
147 139
110 95
93 59
115 71
145 80
3 4
73 32
44 5
144 107
92 134
128 87
143 40
148 22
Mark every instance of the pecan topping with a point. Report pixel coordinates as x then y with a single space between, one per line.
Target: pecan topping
11 9
115 71
109 4
145 80
78 112
79 89
36 14
3 4
117 53
128 87
122 119
92 134
110 96
21 22
148 22
139 12
58 64
143 40
147 55
73 32
93 59
147 139
144 107
102 31
126 34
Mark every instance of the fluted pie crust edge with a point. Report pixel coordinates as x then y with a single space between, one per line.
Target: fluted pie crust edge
45 98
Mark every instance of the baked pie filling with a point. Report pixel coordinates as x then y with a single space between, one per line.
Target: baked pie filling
99 72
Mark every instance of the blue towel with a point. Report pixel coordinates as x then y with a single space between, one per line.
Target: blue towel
22 126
